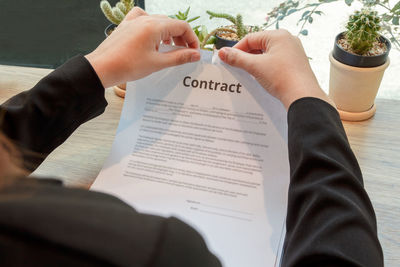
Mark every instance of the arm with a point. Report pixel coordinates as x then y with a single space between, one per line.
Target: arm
330 219
40 119
45 224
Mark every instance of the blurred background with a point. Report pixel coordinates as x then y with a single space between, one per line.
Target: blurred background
44 33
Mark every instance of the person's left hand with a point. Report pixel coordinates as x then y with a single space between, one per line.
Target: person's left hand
131 51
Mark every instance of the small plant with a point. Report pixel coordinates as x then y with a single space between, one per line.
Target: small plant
289 7
117 13
200 30
310 10
241 30
363 30
235 32
184 16
202 34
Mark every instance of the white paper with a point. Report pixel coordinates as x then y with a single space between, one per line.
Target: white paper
215 159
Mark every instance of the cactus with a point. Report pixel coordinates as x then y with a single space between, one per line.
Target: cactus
363 30
241 30
116 14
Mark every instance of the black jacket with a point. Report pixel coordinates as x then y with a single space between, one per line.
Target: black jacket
330 220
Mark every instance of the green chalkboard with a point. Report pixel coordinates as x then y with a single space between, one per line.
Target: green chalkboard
45 33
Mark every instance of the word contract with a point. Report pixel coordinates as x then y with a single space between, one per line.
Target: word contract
212 85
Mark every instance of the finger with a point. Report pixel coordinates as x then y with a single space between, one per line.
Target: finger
178 28
177 57
178 41
160 16
256 52
134 13
254 41
237 58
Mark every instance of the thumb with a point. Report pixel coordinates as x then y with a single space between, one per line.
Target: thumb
237 58
178 57
134 13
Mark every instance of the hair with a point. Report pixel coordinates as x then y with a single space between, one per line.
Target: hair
15 161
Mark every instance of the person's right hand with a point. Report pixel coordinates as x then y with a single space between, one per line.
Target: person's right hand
278 61
131 51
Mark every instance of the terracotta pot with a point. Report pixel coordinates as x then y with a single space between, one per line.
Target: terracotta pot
355 80
120 89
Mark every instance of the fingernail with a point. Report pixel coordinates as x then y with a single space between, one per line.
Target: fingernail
195 57
223 52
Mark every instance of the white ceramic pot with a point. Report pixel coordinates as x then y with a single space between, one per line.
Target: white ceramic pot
354 89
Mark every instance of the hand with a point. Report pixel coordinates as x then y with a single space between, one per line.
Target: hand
131 51
278 61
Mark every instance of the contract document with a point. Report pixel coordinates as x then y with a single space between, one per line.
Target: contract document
204 142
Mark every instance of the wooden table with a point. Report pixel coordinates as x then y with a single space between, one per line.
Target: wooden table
376 143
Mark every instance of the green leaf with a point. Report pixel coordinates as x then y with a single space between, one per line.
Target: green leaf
395 20
187 12
204 31
193 19
386 17
305 14
310 19
196 31
291 11
277 25
212 40
396 7
318 12
304 32
348 2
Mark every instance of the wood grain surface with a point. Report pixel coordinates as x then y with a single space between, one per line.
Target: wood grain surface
376 143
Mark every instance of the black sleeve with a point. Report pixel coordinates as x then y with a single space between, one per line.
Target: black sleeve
42 118
330 219
45 224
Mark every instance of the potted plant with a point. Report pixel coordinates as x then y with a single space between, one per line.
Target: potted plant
358 61
228 35
200 30
389 13
115 15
